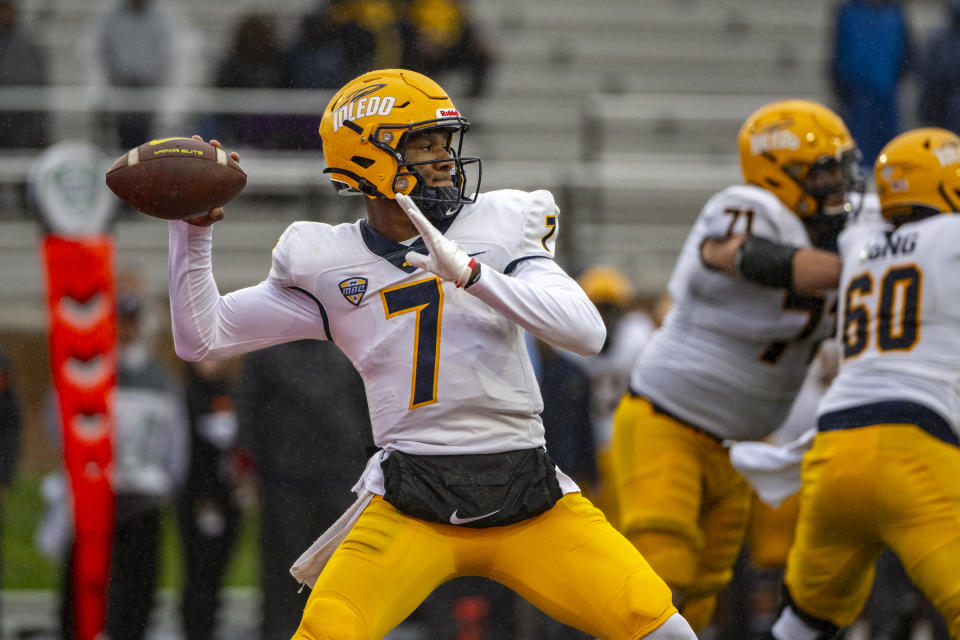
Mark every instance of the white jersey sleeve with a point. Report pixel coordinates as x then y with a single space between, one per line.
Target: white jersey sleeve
208 325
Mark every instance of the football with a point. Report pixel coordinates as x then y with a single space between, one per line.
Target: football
176 178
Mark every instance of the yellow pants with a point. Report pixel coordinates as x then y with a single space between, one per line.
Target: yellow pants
606 496
865 489
770 532
569 561
681 503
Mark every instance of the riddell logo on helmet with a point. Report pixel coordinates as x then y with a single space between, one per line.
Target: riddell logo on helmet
448 113
773 140
947 154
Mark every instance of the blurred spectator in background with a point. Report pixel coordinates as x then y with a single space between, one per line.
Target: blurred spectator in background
628 329
375 22
871 55
254 60
135 43
149 463
150 454
303 415
10 429
336 40
939 75
22 63
208 508
439 36
330 48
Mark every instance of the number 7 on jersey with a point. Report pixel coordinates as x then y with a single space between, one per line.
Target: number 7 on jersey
425 298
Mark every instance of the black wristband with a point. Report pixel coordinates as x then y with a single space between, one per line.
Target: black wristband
765 262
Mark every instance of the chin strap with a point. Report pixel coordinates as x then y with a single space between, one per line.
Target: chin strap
437 203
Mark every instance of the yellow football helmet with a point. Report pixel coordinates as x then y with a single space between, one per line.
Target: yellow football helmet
918 173
606 285
365 129
802 152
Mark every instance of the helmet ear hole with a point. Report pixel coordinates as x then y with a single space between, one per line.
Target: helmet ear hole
795 170
407 182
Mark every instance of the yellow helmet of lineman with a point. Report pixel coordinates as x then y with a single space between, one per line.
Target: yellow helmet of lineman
787 147
918 172
605 284
365 129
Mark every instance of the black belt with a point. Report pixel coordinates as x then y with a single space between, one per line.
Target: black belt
893 412
659 408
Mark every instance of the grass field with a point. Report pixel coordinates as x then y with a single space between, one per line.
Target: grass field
23 566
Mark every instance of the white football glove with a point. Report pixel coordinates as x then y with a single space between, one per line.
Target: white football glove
446 259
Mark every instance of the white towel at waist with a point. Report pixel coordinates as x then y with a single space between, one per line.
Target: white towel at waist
773 472
311 562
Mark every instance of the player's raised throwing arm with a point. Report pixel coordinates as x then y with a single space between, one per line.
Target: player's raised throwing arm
208 325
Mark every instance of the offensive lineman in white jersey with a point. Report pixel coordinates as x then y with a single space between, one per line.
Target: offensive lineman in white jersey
884 468
734 349
431 309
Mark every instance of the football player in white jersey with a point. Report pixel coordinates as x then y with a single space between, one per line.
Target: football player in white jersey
884 468
751 302
429 296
